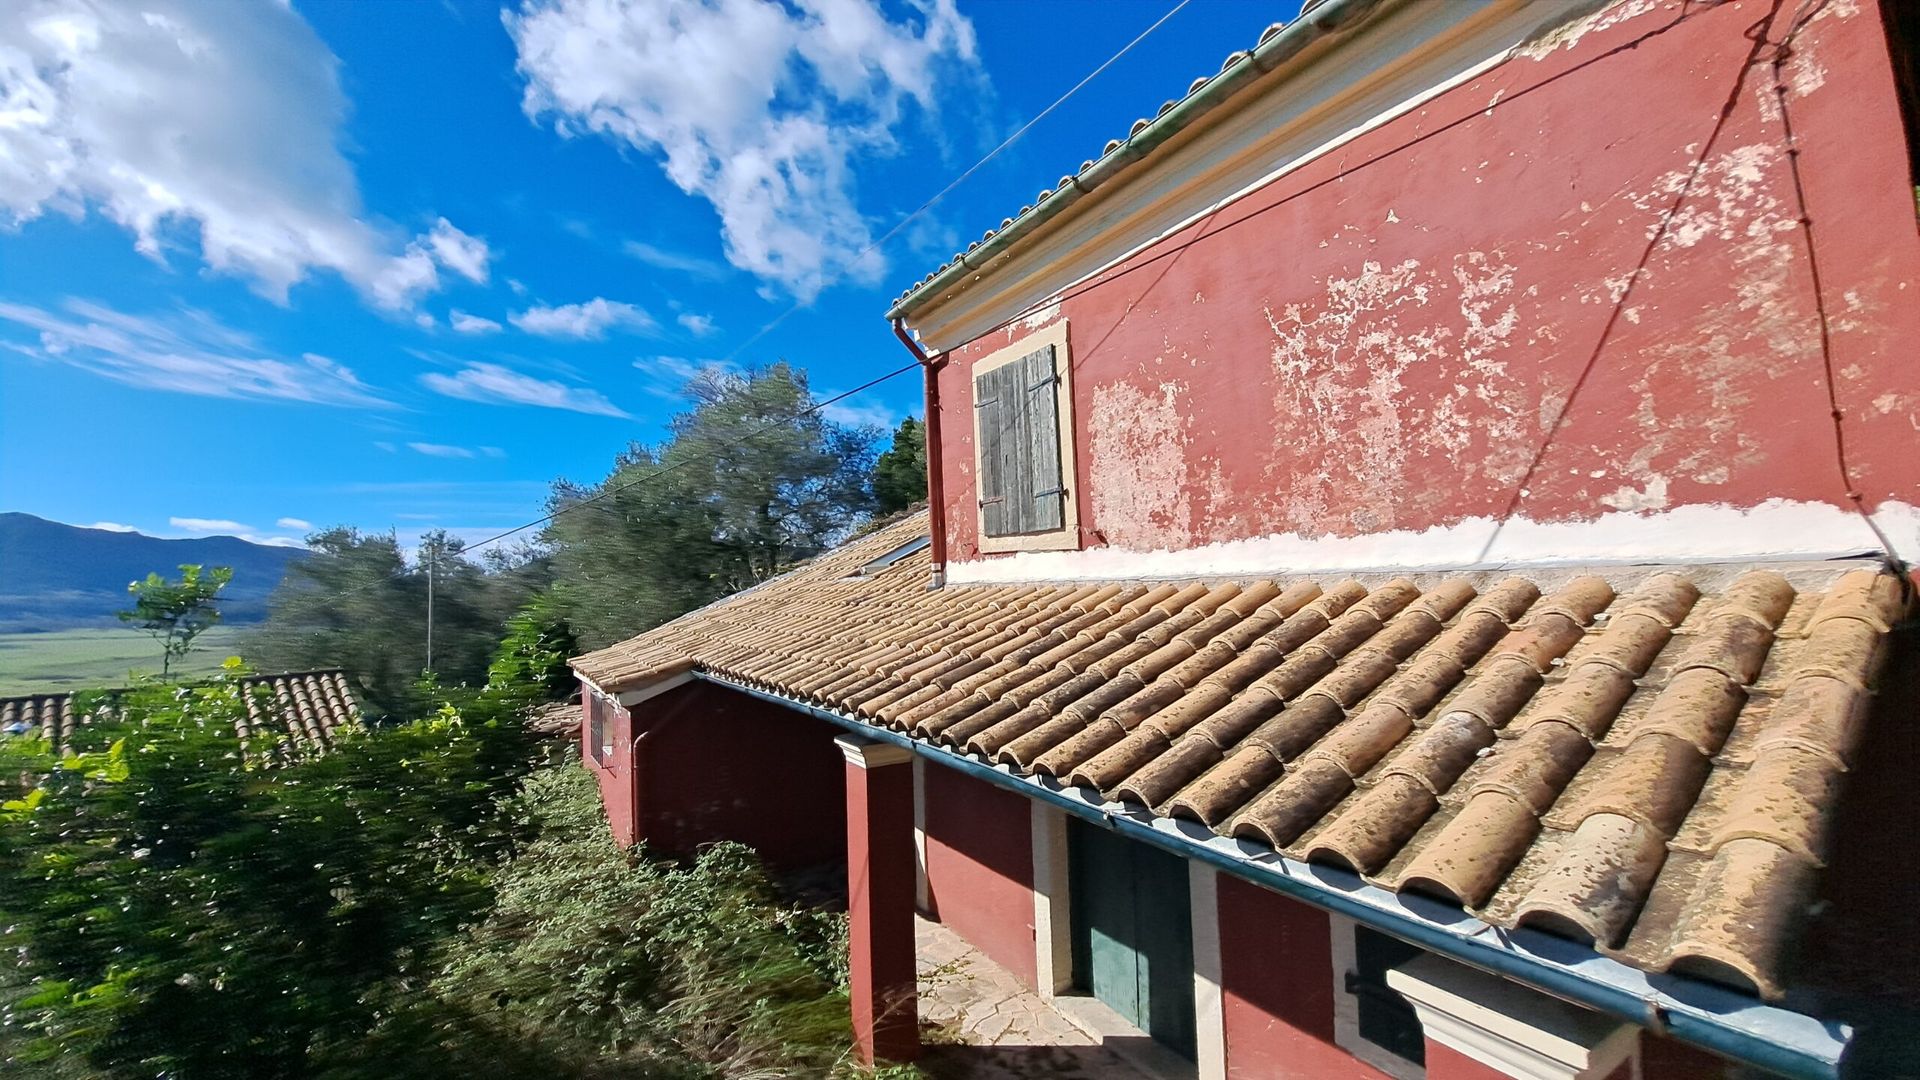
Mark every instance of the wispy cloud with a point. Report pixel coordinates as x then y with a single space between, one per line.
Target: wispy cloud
110 526
464 323
861 414
208 525
194 526
223 123
187 352
497 385
762 110
294 523
443 450
591 319
661 258
697 325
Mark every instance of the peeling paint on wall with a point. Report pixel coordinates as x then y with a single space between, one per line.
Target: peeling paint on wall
1138 471
1342 405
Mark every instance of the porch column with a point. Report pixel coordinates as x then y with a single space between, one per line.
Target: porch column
880 895
1482 1027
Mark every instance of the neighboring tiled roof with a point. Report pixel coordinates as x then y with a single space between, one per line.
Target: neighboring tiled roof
1645 758
309 706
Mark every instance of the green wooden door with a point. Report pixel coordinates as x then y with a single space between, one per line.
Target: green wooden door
1133 931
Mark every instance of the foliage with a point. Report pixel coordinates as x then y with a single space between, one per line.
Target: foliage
641 967
743 488
182 901
358 603
535 650
900 474
175 612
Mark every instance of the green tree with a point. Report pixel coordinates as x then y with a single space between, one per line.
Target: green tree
743 488
359 603
176 612
900 474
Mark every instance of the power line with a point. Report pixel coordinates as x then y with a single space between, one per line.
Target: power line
971 169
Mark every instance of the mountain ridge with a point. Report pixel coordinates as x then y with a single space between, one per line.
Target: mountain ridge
55 576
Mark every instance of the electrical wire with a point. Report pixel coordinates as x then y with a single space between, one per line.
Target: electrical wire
962 178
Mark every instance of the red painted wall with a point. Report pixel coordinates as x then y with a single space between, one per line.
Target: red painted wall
616 776
712 764
979 842
1379 339
1276 989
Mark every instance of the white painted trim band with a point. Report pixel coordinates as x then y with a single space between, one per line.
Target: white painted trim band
1516 1031
1778 529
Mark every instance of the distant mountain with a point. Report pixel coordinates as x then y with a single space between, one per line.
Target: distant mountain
56 577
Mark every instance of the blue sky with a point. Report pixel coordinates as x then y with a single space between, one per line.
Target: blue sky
400 266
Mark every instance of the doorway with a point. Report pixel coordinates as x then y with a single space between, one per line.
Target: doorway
1132 932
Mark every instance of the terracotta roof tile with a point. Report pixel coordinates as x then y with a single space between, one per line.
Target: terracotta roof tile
309 707
1646 759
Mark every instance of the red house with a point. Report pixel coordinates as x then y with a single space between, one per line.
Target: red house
1413 578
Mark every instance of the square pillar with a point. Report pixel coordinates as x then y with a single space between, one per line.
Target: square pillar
1481 1027
880 896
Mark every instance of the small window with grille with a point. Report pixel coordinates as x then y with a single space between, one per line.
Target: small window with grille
1371 1020
1023 446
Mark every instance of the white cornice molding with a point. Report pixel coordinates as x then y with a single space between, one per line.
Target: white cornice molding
1519 1032
870 753
1332 95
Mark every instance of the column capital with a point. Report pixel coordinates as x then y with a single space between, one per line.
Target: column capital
1509 1028
871 753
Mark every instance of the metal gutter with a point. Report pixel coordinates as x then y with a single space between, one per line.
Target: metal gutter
1326 19
1767 1037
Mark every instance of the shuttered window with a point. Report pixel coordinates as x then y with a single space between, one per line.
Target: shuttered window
1017 420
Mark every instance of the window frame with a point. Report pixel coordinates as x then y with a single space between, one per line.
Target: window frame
600 729
1067 536
1346 1008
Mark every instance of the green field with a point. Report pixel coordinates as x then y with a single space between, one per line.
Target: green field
83 659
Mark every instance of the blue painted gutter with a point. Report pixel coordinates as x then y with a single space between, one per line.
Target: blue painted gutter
1734 1025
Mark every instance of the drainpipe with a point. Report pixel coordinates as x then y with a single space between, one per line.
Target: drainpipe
936 502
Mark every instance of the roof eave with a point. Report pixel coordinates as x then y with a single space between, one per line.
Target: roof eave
1775 1039
1328 19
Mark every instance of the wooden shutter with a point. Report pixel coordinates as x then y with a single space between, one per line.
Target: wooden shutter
1017 421
991 406
1043 489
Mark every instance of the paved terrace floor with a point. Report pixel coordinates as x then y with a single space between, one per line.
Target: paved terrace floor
980 1023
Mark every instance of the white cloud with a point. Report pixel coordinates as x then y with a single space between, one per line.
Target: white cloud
464 255
424 321
442 450
588 320
188 353
669 375
697 325
110 526
293 523
661 258
209 525
861 414
497 385
760 109
464 323
214 128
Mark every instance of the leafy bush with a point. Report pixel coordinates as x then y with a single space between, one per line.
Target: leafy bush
179 900
646 967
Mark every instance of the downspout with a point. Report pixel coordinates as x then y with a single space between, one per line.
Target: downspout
936 502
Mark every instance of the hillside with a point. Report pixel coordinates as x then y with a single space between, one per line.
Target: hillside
58 577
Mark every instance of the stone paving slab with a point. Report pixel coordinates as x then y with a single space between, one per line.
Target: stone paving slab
980 1023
